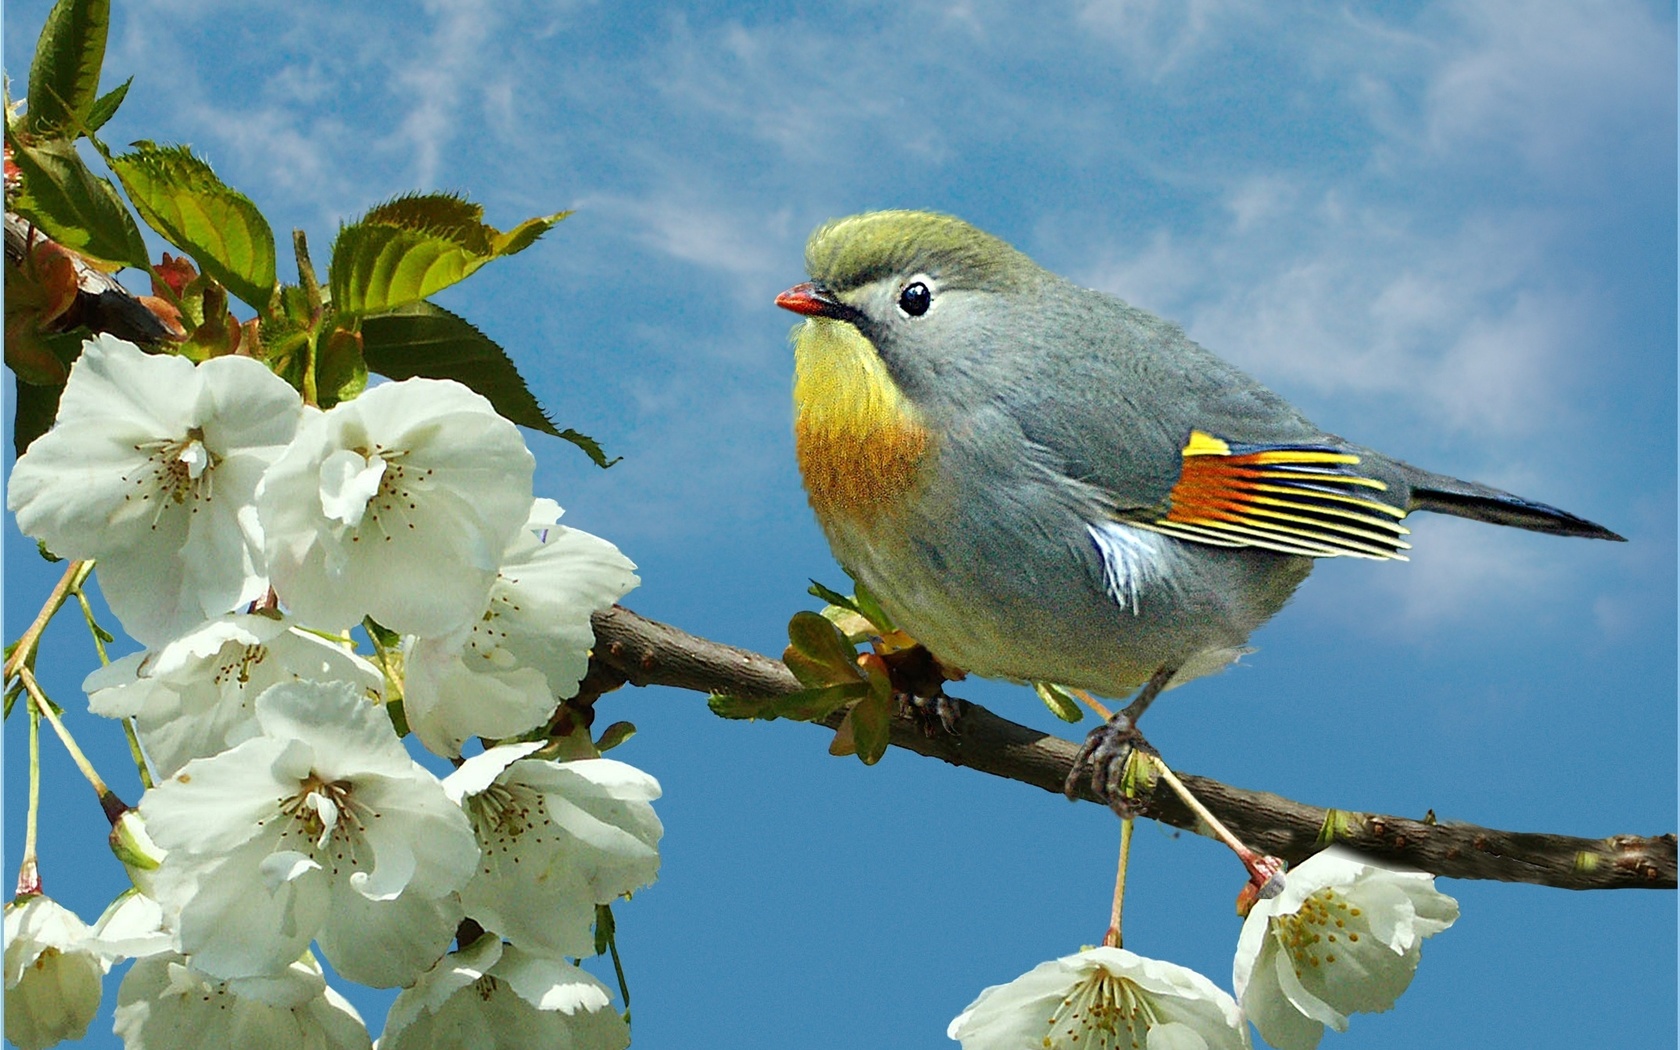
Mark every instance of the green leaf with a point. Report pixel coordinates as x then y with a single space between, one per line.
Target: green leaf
413 247
64 76
37 407
340 371
814 637
181 198
420 339
807 705
1060 703
870 607
816 674
872 725
74 206
738 707
832 596
105 106
614 735
605 928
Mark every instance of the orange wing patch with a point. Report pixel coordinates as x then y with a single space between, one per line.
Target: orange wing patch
1294 499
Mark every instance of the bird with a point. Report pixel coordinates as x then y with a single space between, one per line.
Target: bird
1042 483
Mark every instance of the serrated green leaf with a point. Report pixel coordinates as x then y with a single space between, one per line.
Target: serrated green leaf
445 214
182 199
589 445
75 207
1060 703
105 106
421 339
64 75
872 726
413 247
526 233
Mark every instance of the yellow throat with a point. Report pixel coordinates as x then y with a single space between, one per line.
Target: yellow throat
859 440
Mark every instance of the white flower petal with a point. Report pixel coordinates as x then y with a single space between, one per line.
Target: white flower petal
148 469
164 1004
519 1001
1099 997
420 553
1344 937
195 696
449 701
556 839
386 943
130 928
52 974
291 835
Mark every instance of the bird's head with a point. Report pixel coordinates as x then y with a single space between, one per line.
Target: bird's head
927 292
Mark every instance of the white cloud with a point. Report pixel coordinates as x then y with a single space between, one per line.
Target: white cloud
1553 78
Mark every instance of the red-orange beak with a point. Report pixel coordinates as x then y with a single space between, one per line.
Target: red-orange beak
813 300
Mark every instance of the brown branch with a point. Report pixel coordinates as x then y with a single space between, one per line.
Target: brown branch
635 650
102 304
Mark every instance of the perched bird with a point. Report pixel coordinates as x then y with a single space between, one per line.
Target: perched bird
1042 483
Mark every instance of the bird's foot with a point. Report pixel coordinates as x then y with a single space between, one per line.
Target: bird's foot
1103 756
918 681
933 714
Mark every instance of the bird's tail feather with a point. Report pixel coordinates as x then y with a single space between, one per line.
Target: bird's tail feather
1467 499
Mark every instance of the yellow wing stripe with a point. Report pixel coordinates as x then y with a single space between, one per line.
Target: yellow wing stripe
1292 499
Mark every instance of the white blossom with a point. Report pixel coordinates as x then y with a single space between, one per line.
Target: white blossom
192 698
396 505
556 839
502 674
321 826
164 1003
151 468
1344 937
52 975
1103 999
508 1000
131 927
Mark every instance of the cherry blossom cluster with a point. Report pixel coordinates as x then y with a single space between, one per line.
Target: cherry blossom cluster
240 535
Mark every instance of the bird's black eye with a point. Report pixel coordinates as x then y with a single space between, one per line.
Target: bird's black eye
915 299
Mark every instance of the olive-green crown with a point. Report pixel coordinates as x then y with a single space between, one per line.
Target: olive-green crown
851 252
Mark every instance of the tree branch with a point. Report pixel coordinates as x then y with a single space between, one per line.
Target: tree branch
638 651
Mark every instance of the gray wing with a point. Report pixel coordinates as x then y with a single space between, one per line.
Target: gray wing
1180 441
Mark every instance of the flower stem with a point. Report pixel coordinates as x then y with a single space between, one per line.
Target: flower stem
1112 938
75 574
139 754
29 872
1266 873
108 799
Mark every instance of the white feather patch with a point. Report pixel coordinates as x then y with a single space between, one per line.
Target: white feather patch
1133 559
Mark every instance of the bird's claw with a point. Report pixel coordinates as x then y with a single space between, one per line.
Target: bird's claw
1105 753
932 713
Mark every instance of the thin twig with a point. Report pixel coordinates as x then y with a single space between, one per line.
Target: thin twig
635 650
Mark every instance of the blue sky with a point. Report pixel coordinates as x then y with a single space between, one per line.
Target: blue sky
1445 230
